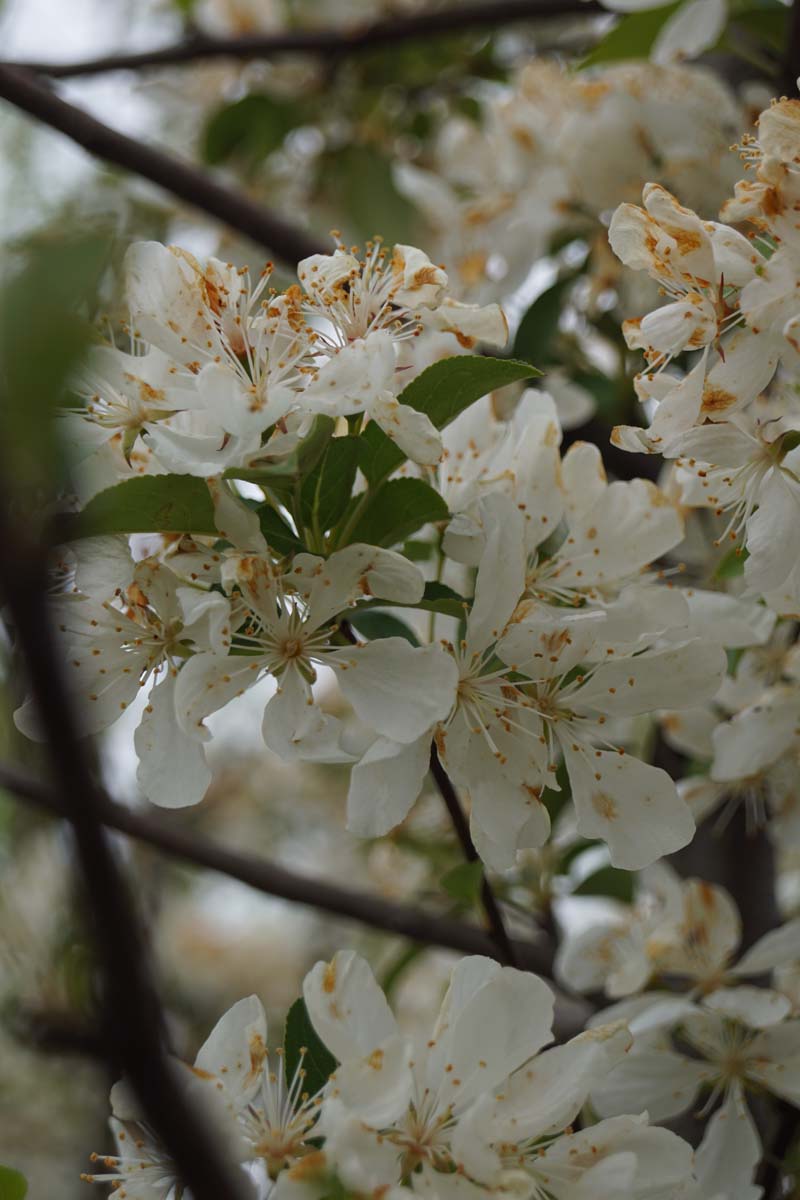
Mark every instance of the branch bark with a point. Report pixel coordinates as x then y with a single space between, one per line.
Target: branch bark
184 180
401 919
326 42
132 1017
461 825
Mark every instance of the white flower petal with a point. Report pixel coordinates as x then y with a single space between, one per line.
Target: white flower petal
385 784
235 1050
633 807
172 771
757 1007
347 1007
727 1157
398 690
672 678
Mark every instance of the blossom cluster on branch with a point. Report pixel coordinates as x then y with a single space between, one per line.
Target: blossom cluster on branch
323 487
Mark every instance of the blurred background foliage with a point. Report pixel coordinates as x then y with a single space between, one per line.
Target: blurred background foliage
501 153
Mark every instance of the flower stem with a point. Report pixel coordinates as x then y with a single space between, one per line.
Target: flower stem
490 906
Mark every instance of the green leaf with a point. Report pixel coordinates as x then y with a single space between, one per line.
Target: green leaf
442 599
43 337
326 492
278 534
282 475
442 391
464 881
539 326
398 509
438 598
418 550
250 128
631 37
359 181
374 624
149 504
317 1062
13 1186
607 881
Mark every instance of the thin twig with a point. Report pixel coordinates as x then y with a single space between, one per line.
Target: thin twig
333 42
132 1017
387 915
184 180
771 1169
506 952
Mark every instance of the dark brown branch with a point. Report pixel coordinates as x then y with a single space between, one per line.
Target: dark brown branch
401 919
132 1017
461 825
327 42
771 1169
175 175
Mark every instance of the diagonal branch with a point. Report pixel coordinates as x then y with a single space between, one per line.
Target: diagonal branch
461 826
132 1017
387 915
327 42
175 175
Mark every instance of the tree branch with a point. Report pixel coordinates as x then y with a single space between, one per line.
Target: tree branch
333 42
132 1017
401 919
461 826
771 1169
175 175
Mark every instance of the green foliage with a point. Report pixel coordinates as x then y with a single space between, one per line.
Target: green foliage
463 882
538 328
438 598
326 492
442 391
631 37
249 129
374 624
443 599
150 504
283 476
768 20
278 534
13 1186
396 510
317 1061
43 336
358 181
607 881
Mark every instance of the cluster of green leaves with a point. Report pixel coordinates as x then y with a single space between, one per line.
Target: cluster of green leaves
313 489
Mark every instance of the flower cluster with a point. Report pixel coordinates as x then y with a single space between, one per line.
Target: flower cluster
479 1108
335 501
562 636
554 150
727 419
740 1035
